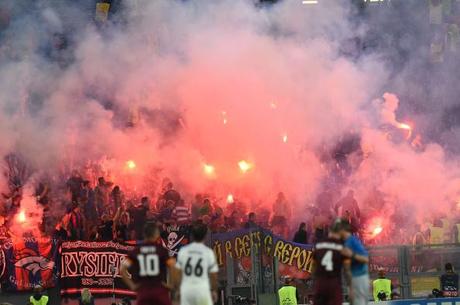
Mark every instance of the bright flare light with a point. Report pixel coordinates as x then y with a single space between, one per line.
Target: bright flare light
285 138
224 117
208 169
22 216
230 198
130 164
377 230
406 127
244 166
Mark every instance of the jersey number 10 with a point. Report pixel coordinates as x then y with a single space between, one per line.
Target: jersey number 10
149 264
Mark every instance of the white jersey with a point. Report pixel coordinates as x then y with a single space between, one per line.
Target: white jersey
196 262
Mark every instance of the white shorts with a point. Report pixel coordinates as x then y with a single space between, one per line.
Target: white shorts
195 295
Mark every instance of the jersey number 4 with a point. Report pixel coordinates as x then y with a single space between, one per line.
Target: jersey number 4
197 270
149 264
327 262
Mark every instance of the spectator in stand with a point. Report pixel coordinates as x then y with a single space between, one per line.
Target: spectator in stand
324 202
86 298
206 208
320 225
251 223
181 214
76 223
92 233
281 215
196 205
231 222
105 229
42 192
74 185
348 208
166 213
122 225
138 215
301 236
263 216
449 282
101 193
168 194
60 231
116 197
88 204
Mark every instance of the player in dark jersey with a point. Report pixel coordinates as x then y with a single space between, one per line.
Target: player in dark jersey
329 262
148 265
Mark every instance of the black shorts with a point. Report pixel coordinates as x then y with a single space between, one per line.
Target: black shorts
328 291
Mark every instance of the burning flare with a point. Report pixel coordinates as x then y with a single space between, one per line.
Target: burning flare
230 198
377 230
244 166
22 217
208 169
285 138
130 164
224 117
406 127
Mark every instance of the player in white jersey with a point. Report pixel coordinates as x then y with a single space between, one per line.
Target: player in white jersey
198 268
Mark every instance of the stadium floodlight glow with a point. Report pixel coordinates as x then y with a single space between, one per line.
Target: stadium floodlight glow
310 2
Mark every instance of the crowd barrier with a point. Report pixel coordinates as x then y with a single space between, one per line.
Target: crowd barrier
442 301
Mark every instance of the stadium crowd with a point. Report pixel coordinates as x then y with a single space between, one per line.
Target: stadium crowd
77 206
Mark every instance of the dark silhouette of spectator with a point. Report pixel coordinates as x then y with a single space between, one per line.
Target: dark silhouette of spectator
42 192
74 185
281 215
138 215
196 205
449 282
232 221
348 204
301 236
88 204
101 193
116 197
251 223
76 223
105 229
348 208
122 225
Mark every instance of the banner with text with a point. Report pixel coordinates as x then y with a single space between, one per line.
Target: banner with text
93 265
28 262
294 260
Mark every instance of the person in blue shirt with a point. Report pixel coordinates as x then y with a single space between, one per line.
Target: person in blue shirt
355 250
